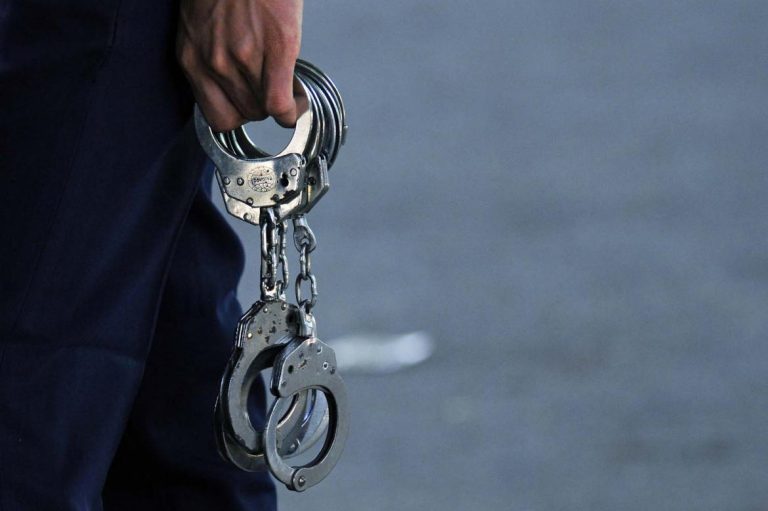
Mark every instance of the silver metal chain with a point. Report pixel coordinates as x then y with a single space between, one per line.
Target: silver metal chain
305 242
267 190
273 258
282 284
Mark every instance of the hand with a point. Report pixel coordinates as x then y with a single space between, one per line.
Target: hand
239 57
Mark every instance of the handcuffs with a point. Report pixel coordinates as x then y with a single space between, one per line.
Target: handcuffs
267 191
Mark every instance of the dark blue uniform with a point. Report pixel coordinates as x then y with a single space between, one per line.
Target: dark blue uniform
117 274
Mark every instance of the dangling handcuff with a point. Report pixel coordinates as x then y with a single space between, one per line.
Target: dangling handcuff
267 191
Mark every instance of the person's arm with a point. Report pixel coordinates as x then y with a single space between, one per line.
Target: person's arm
239 57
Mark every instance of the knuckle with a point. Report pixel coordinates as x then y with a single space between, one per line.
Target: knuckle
245 52
219 62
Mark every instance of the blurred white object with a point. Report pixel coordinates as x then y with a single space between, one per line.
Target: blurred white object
380 354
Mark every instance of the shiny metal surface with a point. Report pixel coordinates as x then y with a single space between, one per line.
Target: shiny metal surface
293 180
307 364
332 96
261 334
313 428
268 190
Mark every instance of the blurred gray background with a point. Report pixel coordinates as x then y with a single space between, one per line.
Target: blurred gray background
571 198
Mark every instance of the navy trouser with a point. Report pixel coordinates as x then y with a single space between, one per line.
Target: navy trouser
117 274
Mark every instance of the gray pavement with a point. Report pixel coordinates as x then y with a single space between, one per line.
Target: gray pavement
571 198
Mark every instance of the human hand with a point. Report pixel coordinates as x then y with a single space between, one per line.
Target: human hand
239 57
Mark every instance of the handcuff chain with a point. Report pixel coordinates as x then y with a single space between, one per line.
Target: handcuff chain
285 277
305 242
273 258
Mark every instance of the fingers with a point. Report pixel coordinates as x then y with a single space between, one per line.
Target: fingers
269 73
278 96
244 80
281 49
239 88
277 82
239 57
216 105
222 92
231 92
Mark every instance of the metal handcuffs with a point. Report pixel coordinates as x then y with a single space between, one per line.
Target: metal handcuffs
310 394
293 180
261 333
302 365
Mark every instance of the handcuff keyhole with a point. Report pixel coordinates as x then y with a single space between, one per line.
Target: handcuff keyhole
290 369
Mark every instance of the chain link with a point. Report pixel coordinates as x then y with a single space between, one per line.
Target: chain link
286 276
305 242
271 243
